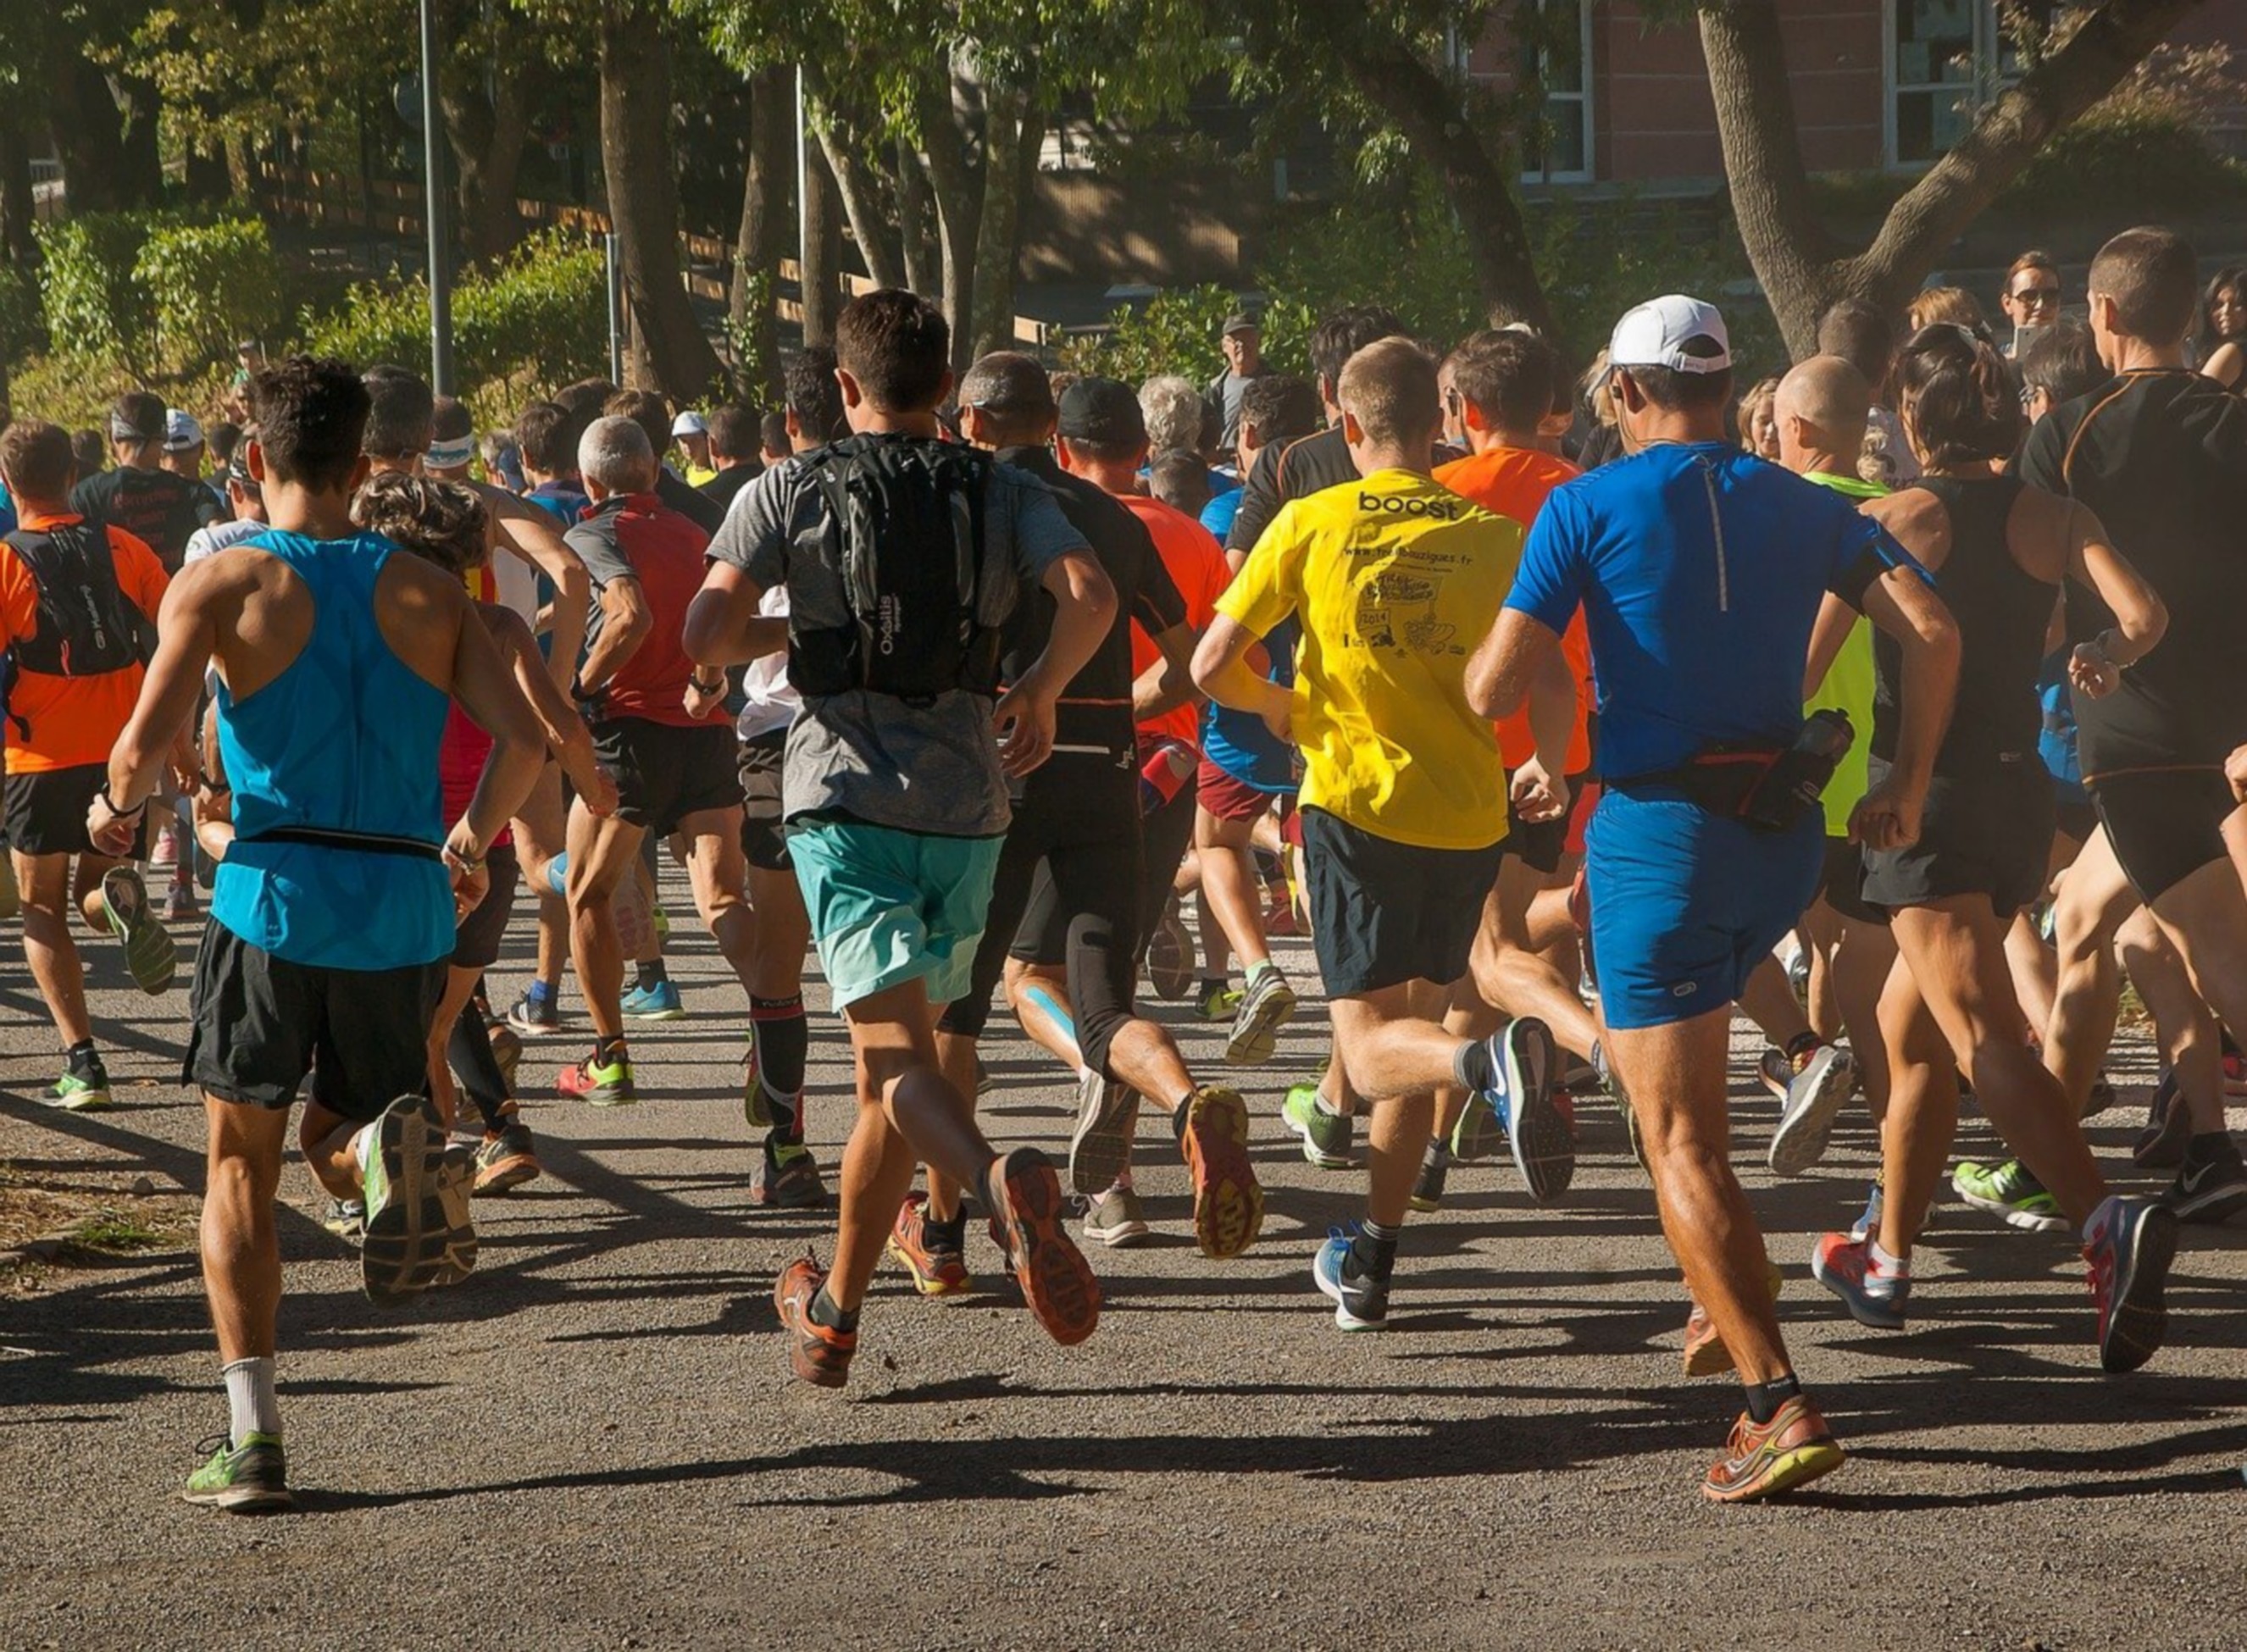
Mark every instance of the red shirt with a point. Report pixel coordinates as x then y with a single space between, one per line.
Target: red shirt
1197 566
637 536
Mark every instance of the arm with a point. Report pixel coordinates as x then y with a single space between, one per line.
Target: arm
723 625
1827 636
1899 604
528 531
1518 652
625 623
1169 682
1221 668
188 627
1084 607
485 687
1540 787
567 737
2140 615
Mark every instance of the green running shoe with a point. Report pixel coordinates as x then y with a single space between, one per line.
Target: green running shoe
149 955
79 1093
1326 1136
1219 1003
248 1478
600 1083
419 1232
2009 1191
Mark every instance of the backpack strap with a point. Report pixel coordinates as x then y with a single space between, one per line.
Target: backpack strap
834 468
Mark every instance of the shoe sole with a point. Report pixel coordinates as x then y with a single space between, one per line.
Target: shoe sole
1860 1307
1100 1146
243 1499
1170 963
1342 1316
150 956
1256 1039
1799 1141
1424 1204
1544 1148
2027 1221
807 1369
926 1283
654 1014
1787 1471
1229 1209
1124 1236
535 1029
92 1102
1313 1153
424 1235
2139 1319
1058 1284
508 1173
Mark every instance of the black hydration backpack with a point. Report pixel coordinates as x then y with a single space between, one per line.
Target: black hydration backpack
87 626
905 535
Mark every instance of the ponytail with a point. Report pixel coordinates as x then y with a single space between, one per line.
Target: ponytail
1962 401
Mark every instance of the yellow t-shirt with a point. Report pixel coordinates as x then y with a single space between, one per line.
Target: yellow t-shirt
1396 580
1849 687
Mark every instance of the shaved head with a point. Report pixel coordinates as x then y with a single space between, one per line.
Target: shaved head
1821 409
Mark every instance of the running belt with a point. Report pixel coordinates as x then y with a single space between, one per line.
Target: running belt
368 843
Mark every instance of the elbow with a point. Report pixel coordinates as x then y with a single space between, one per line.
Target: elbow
698 637
1483 697
2154 624
1206 665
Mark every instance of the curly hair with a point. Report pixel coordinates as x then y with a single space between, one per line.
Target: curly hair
440 521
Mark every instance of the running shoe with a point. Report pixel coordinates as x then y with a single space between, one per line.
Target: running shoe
1219 1003
163 853
248 1478
2211 1191
1170 954
2009 1191
149 954
2130 1245
2100 1098
1471 1131
1100 1146
419 1230
1762 1459
786 1178
600 1083
819 1354
1774 1072
535 1017
1579 1074
1868 1225
1845 1267
1428 1186
1544 1147
346 1219
506 1048
504 1157
180 903
1361 1304
2161 1145
936 1270
1117 1219
86 1092
1058 1286
1326 1136
1821 1078
1229 1209
1705 1353
1266 1005
656 1003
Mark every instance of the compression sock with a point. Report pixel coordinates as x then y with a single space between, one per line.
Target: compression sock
250 1402
650 975
784 1043
1766 1398
824 1312
1373 1253
1474 1068
468 1047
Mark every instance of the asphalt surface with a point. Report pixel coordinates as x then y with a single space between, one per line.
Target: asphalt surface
593 1443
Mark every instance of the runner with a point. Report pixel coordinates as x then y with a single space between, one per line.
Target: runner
895 788
335 904
1699 570
1404 797
78 602
732 452
652 414
244 498
160 510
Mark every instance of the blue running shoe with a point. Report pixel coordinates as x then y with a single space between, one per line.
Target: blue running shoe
656 1003
2129 1246
1845 1267
1544 1147
1361 1304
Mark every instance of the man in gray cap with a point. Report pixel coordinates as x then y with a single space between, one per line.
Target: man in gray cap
1243 343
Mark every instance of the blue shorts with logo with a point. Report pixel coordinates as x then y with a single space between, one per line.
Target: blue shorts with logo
890 907
1685 904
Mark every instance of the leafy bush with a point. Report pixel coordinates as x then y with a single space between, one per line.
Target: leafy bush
74 390
1178 331
94 306
20 326
2136 157
210 285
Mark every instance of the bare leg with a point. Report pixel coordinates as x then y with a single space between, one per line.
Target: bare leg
718 873
2183 1028
1923 1111
602 853
240 1255
1768 1001
49 948
2094 899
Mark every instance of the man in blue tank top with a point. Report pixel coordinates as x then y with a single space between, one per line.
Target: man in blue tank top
334 909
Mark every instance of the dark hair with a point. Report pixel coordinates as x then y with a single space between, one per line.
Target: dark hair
401 409
895 344
141 413
450 419
584 400
1512 376
1345 332
1958 397
224 437
809 392
1675 392
2062 360
1280 407
733 427
1012 391
1859 333
36 460
2152 276
1181 480
2231 276
311 414
772 431
92 452
645 408
546 435
440 521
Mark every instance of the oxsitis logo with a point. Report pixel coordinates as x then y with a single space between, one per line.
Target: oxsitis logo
1392 505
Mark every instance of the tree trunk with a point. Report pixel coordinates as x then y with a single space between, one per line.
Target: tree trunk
88 136
19 248
946 103
860 192
1012 127
765 197
668 351
1471 171
485 133
820 256
916 220
141 162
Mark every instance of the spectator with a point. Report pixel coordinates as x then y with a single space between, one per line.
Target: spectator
1758 426
652 414
772 438
2222 333
732 434
1934 305
1243 344
2031 297
692 437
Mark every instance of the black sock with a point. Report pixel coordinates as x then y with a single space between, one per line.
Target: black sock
1373 1253
609 1049
943 1235
1439 1151
1766 1398
1211 984
1473 1067
650 974
784 1043
984 1188
2205 1147
824 1312
1801 1044
82 1058
1180 1114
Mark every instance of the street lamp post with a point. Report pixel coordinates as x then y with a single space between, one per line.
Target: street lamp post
432 212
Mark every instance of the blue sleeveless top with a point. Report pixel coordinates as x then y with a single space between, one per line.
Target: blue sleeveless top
344 740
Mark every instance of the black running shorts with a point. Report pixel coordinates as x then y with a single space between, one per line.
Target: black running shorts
763 840
1988 834
1384 913
46 812
664 773
476 943
2165 824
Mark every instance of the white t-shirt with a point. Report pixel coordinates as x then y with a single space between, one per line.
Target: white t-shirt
209 542
769 702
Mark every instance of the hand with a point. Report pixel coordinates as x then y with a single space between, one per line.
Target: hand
1538 797
1888 816
1024 719
185 762
596 789
2091 674
701 701
111 833
2235 770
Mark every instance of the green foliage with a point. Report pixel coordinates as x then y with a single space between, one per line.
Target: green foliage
94 306
1178 331
20 324
2133 157
210 286
75 391
747 344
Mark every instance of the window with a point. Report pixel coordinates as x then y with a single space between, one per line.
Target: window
1559 57
1946 58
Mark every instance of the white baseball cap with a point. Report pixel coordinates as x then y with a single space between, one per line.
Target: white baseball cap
1654 335
689 424
181 431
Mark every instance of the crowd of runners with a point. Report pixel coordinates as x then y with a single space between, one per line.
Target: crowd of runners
1894 703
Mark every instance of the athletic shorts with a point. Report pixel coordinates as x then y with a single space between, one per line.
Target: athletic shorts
1384 913
888 906
665 774
2076 814
764 839
1228 797
2165 824
1841 883
258 1025
1164 836
46 812
1539 845
476 943
1988 834
1684 905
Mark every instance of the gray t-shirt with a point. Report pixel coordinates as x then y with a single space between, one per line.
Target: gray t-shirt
871 757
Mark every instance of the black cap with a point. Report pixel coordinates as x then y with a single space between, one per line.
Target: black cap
1103 410
1239 321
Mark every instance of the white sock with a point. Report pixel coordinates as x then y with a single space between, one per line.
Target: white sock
1328 1107
1895 1268
251 1399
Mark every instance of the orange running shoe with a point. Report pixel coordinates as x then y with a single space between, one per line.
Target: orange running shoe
1705 1353
1762 1460
1058 1285
936 1270
820 1355
1228 1204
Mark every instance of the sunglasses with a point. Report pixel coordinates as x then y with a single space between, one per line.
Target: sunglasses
2033 296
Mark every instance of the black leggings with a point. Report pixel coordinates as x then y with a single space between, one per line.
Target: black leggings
469 1049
